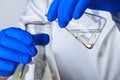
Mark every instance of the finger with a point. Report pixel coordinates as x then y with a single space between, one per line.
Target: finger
41 39
69 9
52 12
16 45
62 23
11 55
7 66
19 34
80 8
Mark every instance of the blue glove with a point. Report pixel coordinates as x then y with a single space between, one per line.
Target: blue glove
17 46
65 10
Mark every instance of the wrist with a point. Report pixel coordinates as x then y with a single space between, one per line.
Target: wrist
3 78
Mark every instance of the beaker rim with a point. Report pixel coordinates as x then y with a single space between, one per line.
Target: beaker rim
36 23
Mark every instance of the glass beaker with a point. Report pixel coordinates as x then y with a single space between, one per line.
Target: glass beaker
87 29
41 60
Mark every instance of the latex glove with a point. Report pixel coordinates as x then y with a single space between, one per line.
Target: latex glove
65 10
17 46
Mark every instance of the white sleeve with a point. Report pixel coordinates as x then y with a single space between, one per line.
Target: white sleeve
35 10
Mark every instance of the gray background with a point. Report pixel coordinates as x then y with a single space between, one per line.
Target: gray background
10 11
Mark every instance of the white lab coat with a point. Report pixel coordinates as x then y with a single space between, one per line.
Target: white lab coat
75 61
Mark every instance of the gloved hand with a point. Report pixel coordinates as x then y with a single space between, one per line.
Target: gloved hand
65 10
17 46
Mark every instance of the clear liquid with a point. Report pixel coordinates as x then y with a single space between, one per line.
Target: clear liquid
88 38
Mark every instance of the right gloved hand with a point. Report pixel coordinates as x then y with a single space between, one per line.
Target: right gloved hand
65 10
16 46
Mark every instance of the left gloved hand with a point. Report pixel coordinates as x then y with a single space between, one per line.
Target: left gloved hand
18 46
65 10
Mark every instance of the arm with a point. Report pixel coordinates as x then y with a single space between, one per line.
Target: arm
2 78
33 12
